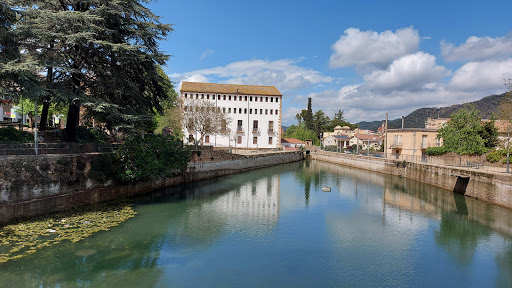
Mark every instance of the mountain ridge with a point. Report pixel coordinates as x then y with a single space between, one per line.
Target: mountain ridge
417 118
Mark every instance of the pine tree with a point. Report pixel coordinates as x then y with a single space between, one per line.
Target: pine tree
99 54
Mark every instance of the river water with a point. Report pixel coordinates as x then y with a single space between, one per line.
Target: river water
275 227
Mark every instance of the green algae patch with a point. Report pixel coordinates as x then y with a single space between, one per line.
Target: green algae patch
24 238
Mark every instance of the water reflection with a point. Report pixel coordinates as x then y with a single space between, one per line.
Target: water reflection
275 227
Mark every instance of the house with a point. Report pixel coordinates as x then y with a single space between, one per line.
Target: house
341 141
292 143
254 111
338 130
411 143
363 140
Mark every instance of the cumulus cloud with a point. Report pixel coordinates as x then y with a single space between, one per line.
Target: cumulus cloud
285 74
410 73
478 49
482 75
362 48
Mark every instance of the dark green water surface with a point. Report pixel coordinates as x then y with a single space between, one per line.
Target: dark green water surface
276 228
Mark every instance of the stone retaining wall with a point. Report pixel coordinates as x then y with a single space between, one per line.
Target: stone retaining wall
31 186
493 188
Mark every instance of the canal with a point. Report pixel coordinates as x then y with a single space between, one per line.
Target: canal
275 227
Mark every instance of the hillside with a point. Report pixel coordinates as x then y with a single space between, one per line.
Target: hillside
487 106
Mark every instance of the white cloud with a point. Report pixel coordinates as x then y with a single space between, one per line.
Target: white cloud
482 75
408 73
478 49
189 78
206 53
362 48
285 74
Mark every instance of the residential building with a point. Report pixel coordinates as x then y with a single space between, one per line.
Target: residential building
364 140
254 111
411 143
292 143
338 130
341 141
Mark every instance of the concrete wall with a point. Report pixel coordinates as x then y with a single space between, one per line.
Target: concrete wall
31 186
492 188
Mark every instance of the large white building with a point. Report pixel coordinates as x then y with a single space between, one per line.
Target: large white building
255 113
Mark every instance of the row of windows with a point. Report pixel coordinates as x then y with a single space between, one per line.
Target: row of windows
228 97
224 109
239 140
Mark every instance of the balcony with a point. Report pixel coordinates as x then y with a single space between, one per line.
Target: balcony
239 130
396 144
255 131
271 131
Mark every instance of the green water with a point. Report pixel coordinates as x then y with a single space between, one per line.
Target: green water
276 228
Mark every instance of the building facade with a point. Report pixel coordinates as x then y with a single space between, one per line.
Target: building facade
411 143
254 113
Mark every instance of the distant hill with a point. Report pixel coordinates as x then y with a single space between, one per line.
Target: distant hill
487 106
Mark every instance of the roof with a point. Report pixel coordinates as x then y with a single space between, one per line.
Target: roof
292 141
229 89
370 137
338 137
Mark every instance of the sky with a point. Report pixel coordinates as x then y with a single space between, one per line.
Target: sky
367 58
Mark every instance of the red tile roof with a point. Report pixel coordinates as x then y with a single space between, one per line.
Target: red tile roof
292 141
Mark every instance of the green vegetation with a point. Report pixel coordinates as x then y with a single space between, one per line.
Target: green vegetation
138 160
496 156
24 238
462 133
302 133
434 151
489 134
12 135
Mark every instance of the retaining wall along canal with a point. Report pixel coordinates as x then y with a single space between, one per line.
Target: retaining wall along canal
31 186
489 187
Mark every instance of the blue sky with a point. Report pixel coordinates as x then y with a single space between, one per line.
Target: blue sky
364 57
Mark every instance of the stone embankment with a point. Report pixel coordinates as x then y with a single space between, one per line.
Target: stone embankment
494 188
36 185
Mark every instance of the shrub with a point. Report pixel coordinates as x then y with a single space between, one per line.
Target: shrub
151 158
495 156
12 135
434 151
90 135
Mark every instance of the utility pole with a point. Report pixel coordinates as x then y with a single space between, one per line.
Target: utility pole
386 138
508 146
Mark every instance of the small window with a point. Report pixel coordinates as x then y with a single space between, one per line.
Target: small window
266 111
240 123
225 97
271 99
202 96
261 111
239 139
223 109
240 111
234 98
185 95
245 98
255 99
229 97
250 99
240 98
229 110
255 111
271 111
208 97
250 111
207 139
277 99
266 99
245 110
255 140
270 140
197 96
234 110
276 111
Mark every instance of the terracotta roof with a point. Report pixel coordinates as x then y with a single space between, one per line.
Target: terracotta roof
371 137
292 141
229 89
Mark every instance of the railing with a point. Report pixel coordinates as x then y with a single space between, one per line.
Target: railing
396 144
271 131
239 129
255 131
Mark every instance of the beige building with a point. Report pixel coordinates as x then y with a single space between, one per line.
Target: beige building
411 143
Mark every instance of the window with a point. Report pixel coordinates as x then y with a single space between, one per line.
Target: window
255 140
240 123
270 126
266 111
250 111
202 96
276 111
261 99
271 111
240 98
255 111
207 139
185 108
223 109
266 99
239 139
255 126
239 110
234 98
277 99
229 97
271 99
245 98
270 140
234 110
245 110
208 96
197 96
261 111
225 97
229 110
185 95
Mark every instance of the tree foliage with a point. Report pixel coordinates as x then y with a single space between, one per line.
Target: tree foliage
100 54
489 134
462 133
308 120
302 133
